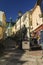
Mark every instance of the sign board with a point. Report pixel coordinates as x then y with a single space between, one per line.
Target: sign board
25 45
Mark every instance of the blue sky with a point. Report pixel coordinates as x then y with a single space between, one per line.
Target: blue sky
11 7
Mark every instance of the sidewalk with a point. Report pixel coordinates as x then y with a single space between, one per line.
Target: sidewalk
20 57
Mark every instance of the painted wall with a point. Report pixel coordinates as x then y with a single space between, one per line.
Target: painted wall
24 21
36 17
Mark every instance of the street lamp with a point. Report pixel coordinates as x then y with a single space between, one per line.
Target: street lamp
20 14
10 27
30 25
10 19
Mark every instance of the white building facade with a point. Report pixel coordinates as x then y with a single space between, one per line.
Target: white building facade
36 17
31 19
24 21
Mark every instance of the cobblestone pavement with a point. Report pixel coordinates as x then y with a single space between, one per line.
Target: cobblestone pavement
20 57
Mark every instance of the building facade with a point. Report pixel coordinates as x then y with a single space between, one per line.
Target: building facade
36 15
31 19
2 24
24 20
37 18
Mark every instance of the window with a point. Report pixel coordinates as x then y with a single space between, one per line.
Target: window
30 20
30 23
37 23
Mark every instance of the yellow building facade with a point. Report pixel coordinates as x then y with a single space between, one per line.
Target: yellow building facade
2 24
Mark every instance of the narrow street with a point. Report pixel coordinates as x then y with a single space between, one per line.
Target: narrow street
20 57
21 32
